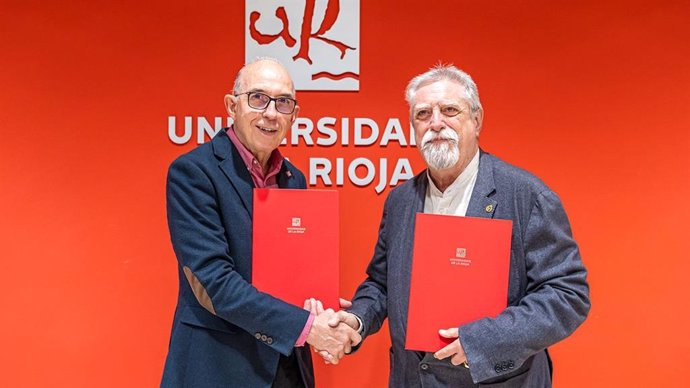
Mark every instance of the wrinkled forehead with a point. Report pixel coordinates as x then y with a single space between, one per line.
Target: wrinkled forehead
268 77
436 93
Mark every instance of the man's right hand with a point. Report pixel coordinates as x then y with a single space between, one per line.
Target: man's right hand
332 342
334 321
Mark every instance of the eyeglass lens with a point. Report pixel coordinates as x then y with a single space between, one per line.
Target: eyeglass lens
447 110
258 100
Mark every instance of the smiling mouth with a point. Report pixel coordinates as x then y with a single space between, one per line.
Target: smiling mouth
267 130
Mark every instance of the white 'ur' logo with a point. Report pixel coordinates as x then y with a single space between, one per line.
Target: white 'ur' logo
317 40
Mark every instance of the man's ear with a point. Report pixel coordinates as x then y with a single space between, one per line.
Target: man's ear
231 102
294 114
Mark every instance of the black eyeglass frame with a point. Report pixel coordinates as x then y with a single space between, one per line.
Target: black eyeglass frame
270 99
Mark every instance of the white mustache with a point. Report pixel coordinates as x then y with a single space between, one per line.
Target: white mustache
444 134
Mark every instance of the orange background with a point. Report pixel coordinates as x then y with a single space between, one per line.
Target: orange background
590 97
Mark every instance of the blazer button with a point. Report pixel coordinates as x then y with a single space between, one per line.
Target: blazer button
497 368
424 366
264 337
269 340
257 336
511 365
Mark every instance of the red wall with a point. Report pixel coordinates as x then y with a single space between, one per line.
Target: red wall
590 97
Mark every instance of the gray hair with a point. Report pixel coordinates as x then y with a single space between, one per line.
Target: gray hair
443 72
237 85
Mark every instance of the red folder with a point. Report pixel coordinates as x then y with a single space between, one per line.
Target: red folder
296 245
459 274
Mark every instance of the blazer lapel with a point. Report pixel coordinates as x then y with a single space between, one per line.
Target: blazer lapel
286 178
234 168
481 205
414 205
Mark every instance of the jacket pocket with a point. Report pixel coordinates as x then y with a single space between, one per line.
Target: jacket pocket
200 317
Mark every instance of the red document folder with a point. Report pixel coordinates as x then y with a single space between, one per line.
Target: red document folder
459 274
296 245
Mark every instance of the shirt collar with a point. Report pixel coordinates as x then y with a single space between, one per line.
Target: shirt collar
275 162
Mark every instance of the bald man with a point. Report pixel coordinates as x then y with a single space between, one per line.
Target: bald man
225 332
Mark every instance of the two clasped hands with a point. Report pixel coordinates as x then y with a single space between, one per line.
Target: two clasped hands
334 333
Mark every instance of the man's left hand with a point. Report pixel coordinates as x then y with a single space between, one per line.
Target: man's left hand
454 350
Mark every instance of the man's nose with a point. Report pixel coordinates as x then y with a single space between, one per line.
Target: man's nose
436 124
270 111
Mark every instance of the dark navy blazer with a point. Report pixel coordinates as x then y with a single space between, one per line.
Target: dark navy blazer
225 332
548 294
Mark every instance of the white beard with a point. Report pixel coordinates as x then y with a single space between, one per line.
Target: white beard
442 155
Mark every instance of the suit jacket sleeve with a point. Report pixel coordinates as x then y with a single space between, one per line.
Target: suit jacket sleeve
199 240
555 301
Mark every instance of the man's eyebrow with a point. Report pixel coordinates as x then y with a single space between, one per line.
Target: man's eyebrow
266 93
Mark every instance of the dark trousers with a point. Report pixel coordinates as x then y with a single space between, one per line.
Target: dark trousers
288 374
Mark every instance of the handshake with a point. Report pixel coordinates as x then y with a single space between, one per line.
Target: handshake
332 334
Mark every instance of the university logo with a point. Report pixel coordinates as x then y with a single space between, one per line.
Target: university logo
460 258
317 40
296 227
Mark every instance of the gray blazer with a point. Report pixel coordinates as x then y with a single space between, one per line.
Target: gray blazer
548 295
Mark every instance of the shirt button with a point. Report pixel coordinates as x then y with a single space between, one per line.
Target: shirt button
424 366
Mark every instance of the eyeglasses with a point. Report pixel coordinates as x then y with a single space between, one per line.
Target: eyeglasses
425 114
258 100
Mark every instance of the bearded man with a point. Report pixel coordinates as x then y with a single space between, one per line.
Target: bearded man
548 294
